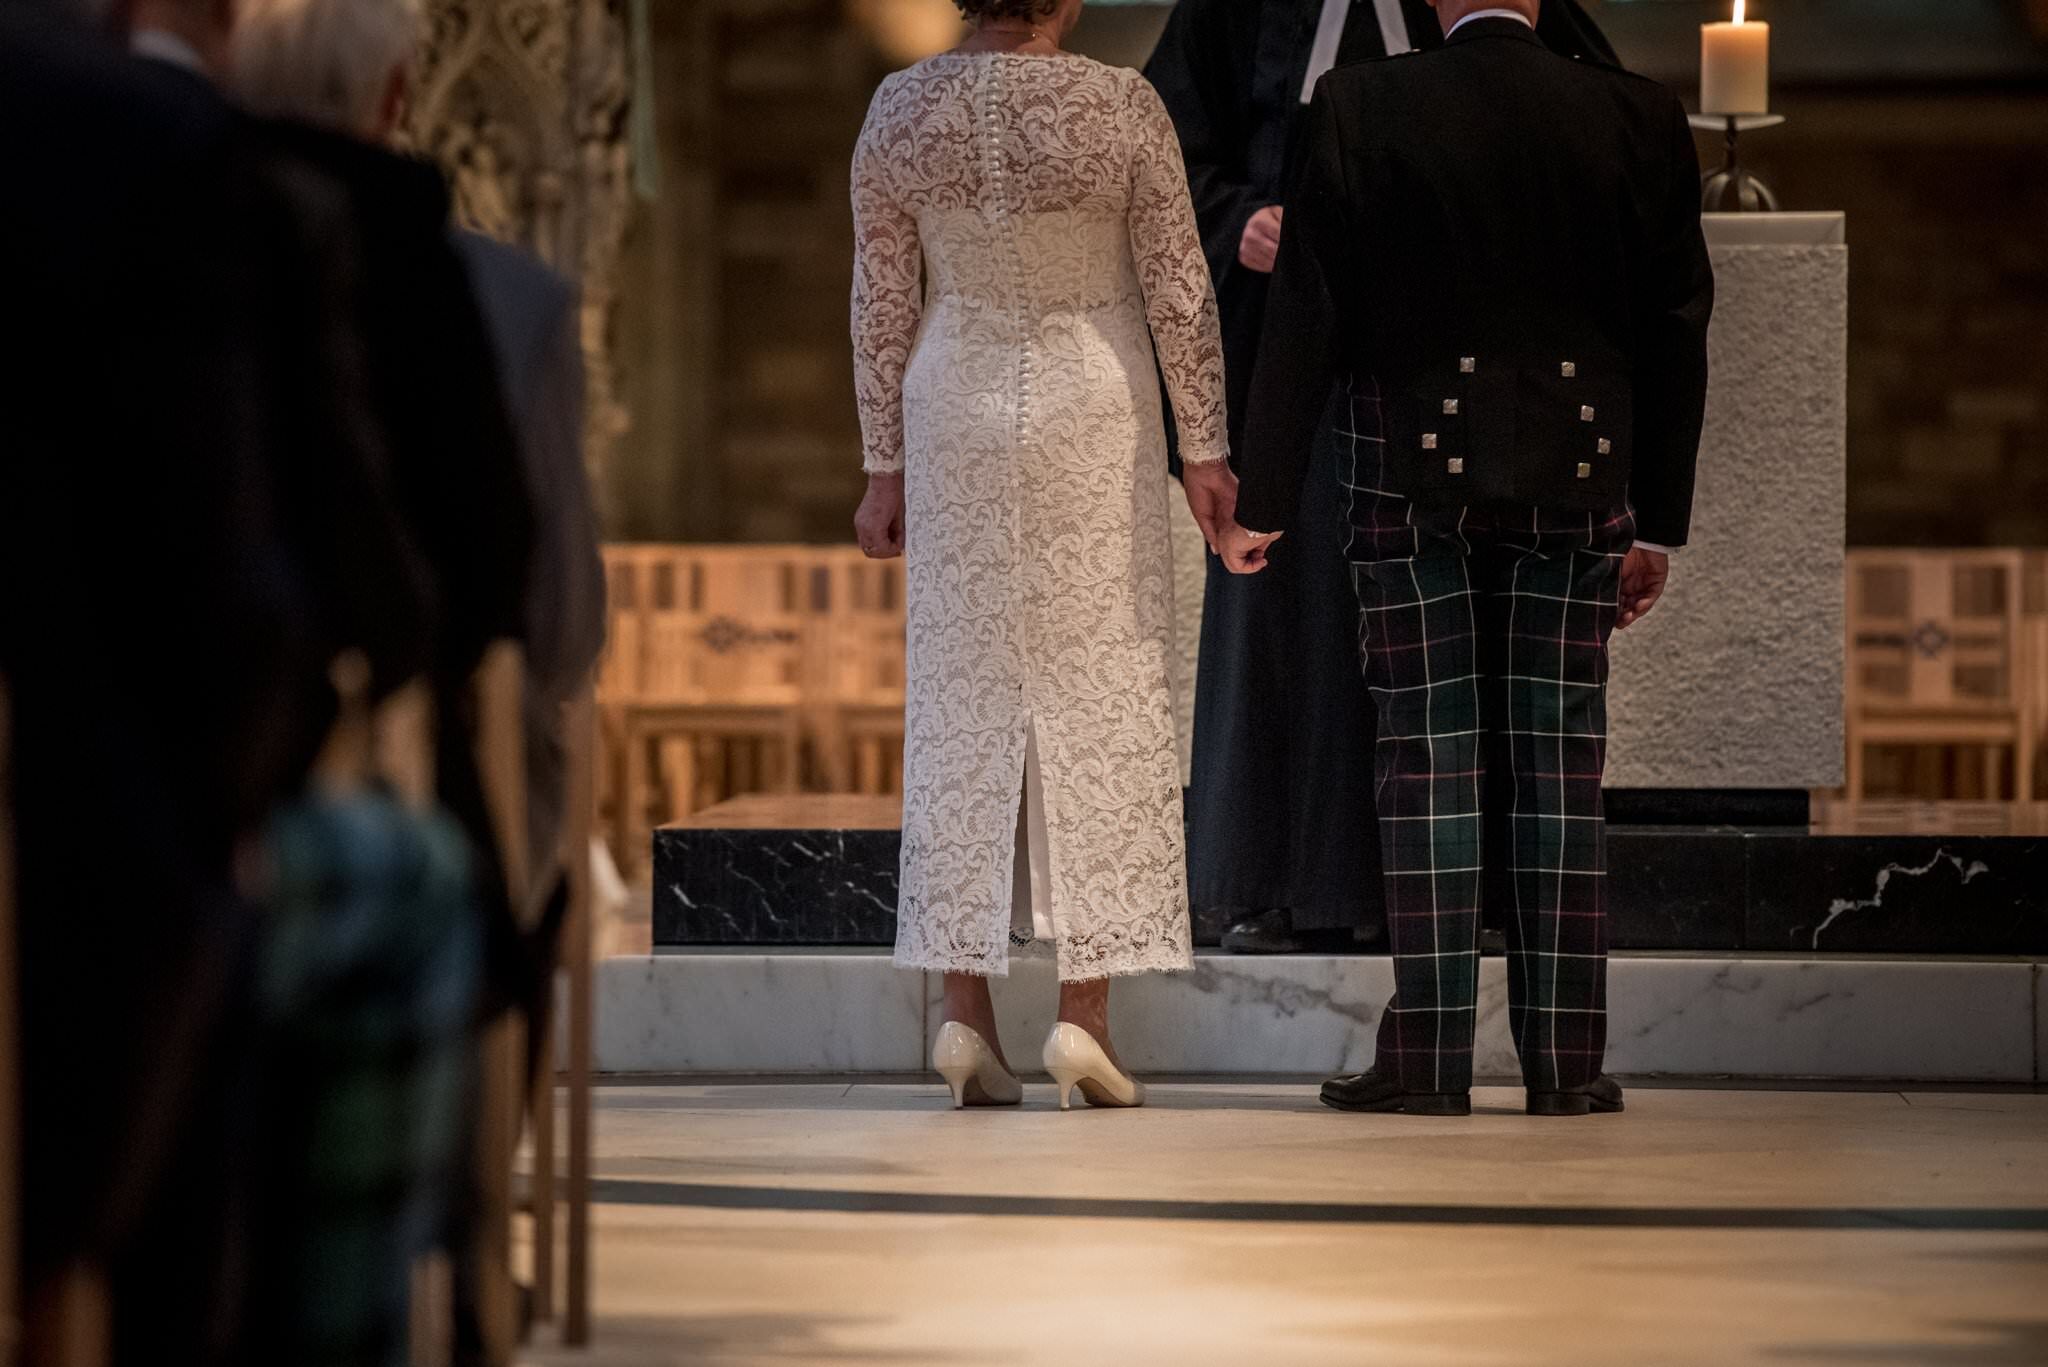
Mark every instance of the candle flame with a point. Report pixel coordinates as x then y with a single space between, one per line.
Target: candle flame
1738 11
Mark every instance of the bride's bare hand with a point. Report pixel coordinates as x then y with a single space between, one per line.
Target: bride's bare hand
1212 498
878 522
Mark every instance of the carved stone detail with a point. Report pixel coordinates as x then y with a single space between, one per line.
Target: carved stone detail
524 102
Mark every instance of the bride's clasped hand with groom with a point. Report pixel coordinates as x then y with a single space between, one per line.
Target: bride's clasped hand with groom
1482 300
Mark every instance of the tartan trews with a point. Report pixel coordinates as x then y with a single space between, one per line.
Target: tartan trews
1484 637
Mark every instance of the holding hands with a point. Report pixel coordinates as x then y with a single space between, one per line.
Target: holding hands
1212 497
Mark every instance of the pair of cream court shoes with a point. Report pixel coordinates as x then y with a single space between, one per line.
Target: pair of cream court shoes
1072 1056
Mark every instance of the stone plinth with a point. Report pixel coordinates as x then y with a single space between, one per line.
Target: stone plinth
1735 681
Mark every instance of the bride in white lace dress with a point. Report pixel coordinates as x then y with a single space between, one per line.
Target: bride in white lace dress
1025 246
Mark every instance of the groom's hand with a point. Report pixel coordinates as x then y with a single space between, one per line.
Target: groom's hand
1212 497
1244 552
1643 576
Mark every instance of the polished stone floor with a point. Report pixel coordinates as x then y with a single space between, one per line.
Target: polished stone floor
865 1222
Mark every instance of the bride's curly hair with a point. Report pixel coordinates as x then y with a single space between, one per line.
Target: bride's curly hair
1006 9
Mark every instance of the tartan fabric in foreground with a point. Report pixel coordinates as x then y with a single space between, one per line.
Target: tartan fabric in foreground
370 986
1484 637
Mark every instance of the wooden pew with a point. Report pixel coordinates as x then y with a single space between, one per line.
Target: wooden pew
1942 653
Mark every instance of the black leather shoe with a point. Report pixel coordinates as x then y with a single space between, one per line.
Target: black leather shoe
1601 1096
1369 1091
1262 932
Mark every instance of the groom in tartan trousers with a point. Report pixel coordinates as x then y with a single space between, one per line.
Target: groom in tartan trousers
1498 250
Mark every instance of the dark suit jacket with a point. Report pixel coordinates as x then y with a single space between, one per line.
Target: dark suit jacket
184 466
1505 246
160 637
457 475
532 316
434 389
1230 74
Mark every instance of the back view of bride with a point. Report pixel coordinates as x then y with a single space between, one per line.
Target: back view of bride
1024 242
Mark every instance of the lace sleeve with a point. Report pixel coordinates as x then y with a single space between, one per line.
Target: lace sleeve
887 295
1180 302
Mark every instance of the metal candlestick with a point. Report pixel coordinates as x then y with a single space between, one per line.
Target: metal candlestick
1731 189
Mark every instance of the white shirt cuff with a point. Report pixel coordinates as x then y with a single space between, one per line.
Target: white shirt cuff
1653 546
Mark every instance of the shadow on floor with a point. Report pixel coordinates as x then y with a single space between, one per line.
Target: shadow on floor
658 1341
2001 1342
1908 1219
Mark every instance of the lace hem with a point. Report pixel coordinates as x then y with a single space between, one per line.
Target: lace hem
1156 960
1081 958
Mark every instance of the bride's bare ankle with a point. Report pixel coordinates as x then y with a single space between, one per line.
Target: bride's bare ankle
967 1001
1086 1004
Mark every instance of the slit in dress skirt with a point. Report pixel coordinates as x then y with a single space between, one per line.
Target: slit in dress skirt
1031 918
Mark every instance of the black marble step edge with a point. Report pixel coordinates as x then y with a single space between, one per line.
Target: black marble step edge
1669 888
1747 807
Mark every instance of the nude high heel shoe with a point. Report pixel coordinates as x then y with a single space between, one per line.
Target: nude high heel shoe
1075 1060
971 1069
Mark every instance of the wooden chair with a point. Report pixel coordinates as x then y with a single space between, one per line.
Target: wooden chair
746 580
857 673
567 1193
579 1009
1937 657
501 1095
2034 638
647 577
702 692
507 1104
719 712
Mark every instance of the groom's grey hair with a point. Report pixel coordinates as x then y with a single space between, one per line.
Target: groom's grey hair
325 62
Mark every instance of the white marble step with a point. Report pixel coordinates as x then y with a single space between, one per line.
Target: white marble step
754 1011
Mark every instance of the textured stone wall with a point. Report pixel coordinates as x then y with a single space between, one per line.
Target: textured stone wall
524 103
1736 679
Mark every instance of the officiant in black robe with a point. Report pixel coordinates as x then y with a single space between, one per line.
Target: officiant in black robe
1281 843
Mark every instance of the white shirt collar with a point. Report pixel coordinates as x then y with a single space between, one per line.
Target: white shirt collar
1513 14
161 45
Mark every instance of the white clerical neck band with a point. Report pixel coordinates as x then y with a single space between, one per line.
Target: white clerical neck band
1513 14
1322 53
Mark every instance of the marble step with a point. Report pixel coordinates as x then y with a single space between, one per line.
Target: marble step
1946 879
1746 1016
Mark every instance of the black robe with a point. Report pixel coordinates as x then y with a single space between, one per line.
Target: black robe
1280 809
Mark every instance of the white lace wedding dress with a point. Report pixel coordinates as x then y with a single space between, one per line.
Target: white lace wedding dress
1024 239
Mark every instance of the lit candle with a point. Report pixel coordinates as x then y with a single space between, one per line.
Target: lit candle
1735 67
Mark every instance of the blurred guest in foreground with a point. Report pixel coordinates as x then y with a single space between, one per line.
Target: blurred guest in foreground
264 434
334 73
343 66
180 425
